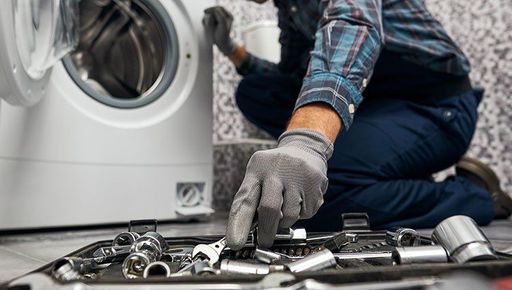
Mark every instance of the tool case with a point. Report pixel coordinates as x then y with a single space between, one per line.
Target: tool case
380 272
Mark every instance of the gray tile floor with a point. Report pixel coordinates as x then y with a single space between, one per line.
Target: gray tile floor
21 253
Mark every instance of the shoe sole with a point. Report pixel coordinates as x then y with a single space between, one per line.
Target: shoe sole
487 175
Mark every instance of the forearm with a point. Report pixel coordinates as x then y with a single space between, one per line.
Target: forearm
319 117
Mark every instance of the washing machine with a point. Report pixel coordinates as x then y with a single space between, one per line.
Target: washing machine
107 112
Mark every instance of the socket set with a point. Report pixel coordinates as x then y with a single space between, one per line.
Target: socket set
356 254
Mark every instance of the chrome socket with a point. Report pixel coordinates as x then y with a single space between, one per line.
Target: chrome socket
318 261
145 250
463 240
420 255
125 239
135 264
266 256
157 269
236 267
363 256
69 268
402 237
292 235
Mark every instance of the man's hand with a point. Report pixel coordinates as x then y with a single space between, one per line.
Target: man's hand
218 22
283 185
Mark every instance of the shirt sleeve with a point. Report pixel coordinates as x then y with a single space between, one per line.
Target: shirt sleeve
347 46
293 47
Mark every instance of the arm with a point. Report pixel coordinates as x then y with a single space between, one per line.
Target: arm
293 44
346 49
285 184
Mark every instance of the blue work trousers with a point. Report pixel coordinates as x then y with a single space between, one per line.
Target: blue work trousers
383 165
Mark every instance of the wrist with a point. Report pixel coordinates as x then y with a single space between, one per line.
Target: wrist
238 55
319 117
307 140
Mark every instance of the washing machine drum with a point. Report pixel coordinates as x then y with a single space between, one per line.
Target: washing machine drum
127 52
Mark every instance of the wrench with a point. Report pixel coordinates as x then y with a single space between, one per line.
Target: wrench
211 252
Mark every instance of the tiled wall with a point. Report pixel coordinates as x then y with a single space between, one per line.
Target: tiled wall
483 29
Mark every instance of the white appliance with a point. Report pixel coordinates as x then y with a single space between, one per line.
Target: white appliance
262 39
120 128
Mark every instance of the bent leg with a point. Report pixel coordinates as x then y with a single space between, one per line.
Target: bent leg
383 165
267 101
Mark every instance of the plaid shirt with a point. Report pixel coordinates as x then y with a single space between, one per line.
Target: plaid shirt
334 45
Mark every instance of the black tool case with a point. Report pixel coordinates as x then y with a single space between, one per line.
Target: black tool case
354 274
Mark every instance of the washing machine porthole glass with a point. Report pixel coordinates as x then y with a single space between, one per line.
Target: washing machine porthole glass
127 54
44 32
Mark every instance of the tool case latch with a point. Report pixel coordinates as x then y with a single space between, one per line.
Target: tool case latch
355 222
142 226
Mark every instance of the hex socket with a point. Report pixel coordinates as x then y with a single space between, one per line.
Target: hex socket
318 261
157 269
463 240
144 251
420 255
236 267
69 268
125 239
402 237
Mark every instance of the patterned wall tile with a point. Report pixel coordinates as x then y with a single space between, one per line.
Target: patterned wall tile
229 123
230 160
482 28
484 31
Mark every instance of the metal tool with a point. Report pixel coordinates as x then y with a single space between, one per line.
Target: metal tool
268 257
463 240
402 237
314 262
203 268
111 251
210 252
420 255
178 255
363 256
157 269
125 239
146 250
72 268
339 241
237 267
292 235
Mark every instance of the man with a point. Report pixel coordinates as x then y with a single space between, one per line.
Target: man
337 153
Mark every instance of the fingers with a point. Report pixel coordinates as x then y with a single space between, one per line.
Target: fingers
242 213
269 211
219 13
228 17
208 21
291 207
311 204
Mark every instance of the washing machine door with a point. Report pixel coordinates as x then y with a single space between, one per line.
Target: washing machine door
34 35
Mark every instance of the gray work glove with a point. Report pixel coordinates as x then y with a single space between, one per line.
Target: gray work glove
218 22
284 185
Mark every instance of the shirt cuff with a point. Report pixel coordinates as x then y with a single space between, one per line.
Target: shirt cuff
248 64
334 90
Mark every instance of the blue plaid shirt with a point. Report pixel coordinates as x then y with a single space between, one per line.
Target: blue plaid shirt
334 45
